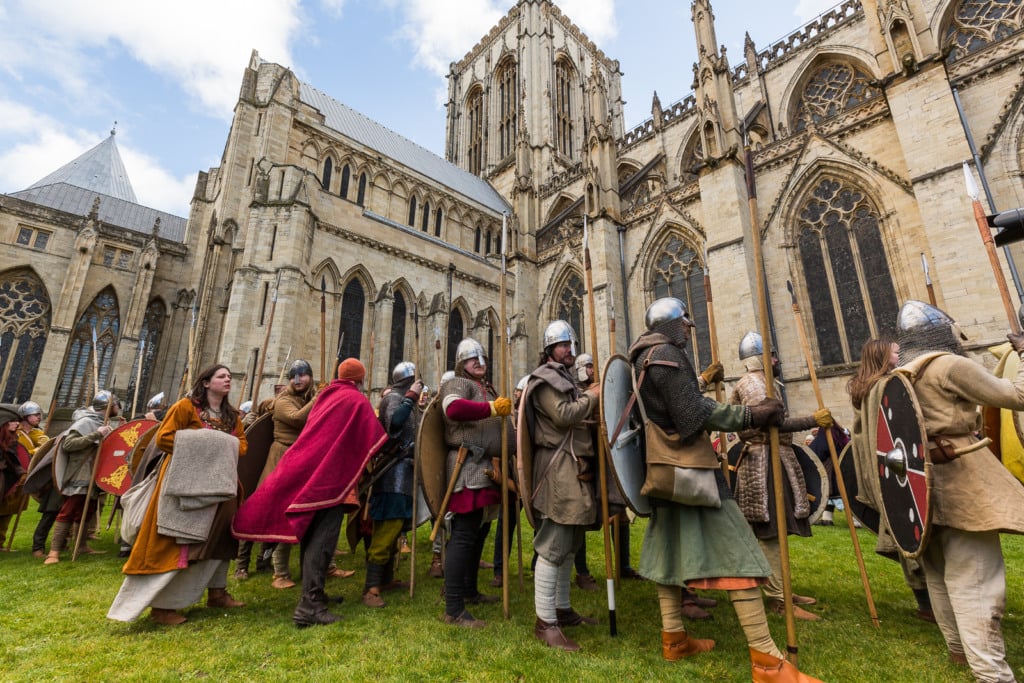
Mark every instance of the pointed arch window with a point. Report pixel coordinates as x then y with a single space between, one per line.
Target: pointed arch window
832 89
437 222
563 107
24 324
844 264
328 170
979 23
398 313
353 304
678 272
475 116
346 175
425 223
76 380
361 192
412 211
476 240
508 107
569 306
152 328
456 333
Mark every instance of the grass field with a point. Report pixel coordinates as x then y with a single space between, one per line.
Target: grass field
54 627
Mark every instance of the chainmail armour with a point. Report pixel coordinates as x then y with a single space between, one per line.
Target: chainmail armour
399 478
917 342
482 438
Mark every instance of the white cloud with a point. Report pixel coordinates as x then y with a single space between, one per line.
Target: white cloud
595 17
154 186
806 10
333 7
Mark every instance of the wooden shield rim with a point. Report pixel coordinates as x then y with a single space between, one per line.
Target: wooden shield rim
250 466
1000 371
818 506
851 491
430 445
926 522
524 453
105 445
610 429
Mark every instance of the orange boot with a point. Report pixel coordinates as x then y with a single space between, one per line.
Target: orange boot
678 644
765 668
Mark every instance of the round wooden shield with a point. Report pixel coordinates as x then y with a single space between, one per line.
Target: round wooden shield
524 451
138 454
625 449
431 459
904 471
113 467
816 480
24 457
733 455
40 468
867 515
1002 425
259 435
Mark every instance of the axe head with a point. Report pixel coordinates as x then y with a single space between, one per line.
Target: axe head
1011 224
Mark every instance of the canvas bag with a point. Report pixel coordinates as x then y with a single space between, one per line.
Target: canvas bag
135 502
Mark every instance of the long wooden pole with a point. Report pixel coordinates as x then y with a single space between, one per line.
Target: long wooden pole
773 432
323 329
82 523
373 341
620 518
258 379
835 458
415 469
602 454
138 375
990 248
284 366
928 281
719 389
504 422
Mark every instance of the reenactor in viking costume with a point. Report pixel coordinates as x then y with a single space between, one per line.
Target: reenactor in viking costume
973 498
80 446
563 499
12 473
392 475
700 546
156 408
472 413
754 492
436 570
32 437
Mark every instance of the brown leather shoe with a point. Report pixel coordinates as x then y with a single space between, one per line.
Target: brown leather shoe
958 658
38 553
53 557
765 668
219 597
570 617
482 598
282 582
466 620
926 615
691 597
484 564
586 582
804 600
335 572
694 613
166 617
436 570
776 606
552 636
678 644
394 585
496 581
371 598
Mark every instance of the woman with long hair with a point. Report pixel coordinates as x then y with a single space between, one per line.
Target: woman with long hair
877 358
169 570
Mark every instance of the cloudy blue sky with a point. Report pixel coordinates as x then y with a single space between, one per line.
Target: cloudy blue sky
169 72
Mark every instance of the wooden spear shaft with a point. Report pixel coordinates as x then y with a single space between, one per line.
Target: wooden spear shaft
323 328
415 469
258 379
602 454
138 376
835 458
990 248
504 424
773 432
82 523
719 389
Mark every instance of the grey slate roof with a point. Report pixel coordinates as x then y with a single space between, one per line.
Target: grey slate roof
113 211
100 170
366 131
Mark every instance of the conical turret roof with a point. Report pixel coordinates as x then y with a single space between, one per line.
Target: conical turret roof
98 170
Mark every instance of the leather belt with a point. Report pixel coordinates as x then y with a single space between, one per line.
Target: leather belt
942 451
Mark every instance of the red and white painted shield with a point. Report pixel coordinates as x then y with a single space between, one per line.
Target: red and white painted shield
112 470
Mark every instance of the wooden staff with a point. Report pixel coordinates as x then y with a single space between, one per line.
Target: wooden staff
53 405
323 328
373 339
504 421
835 458
460 460
258 379
990 249
773 432
928 281
719 389
138 375
518 504
616 519
92 479
245 380
95 364
602 454
284 365
415 469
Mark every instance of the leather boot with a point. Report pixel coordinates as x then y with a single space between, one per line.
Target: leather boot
436 567
60 537
167 617
84 549
765 668
570 617
678 644
552 636
388 580
219 597
372 586
776 606
310 612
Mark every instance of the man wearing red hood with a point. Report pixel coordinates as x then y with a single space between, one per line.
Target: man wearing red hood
305 499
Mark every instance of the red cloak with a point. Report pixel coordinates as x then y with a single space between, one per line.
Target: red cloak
318 471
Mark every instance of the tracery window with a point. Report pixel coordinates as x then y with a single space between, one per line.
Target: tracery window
361 192
845 269
437 222
563 107
24 323
353 303
77 386
678 272
426 217
475 148
508 107
328 170
833 89
569 306
396 354
412 211
978 23
693 155
456 333
152 327
346 175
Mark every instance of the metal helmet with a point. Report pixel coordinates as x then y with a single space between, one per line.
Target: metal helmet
29 408
156 402
751 345
560 331
100 400
663 310
448 374
521 384
582 361
246 407
921 328
403 370
469 348
300 367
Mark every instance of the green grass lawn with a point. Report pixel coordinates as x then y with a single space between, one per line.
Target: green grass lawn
54 627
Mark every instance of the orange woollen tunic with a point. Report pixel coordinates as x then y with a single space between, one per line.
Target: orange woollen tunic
152 552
